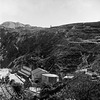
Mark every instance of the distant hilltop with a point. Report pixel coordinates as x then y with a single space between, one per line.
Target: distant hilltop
10 24
72 26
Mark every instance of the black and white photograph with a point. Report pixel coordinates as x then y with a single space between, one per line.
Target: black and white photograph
49 49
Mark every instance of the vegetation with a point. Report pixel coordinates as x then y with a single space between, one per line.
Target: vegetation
60 50
80 88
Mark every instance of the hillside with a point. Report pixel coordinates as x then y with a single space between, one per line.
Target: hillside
55 48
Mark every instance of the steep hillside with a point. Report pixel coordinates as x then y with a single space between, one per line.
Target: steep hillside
54 48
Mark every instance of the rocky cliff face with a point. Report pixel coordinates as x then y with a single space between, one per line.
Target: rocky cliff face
51 48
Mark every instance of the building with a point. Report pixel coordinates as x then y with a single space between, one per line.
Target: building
24 71
50 78
82 70
68 77
16 78
37 73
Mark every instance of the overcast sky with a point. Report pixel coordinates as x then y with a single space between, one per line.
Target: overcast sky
49 12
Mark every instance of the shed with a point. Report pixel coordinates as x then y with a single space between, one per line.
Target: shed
37 73
91 72
24 71
50 78
16 78
82 70
68 77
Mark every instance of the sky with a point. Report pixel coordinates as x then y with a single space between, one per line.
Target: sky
45 13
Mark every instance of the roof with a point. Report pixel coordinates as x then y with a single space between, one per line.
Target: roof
38 70
50 75
69 76
13 76
91 73
82 70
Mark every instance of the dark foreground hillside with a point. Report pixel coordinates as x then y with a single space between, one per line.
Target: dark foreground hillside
48 47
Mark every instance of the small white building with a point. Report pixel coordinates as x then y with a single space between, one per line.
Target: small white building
69 76
16 78
50 78
82 70
37 73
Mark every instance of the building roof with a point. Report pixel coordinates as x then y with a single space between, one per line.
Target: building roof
69 76
91 73
50 75
14 77
82 70
37 70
